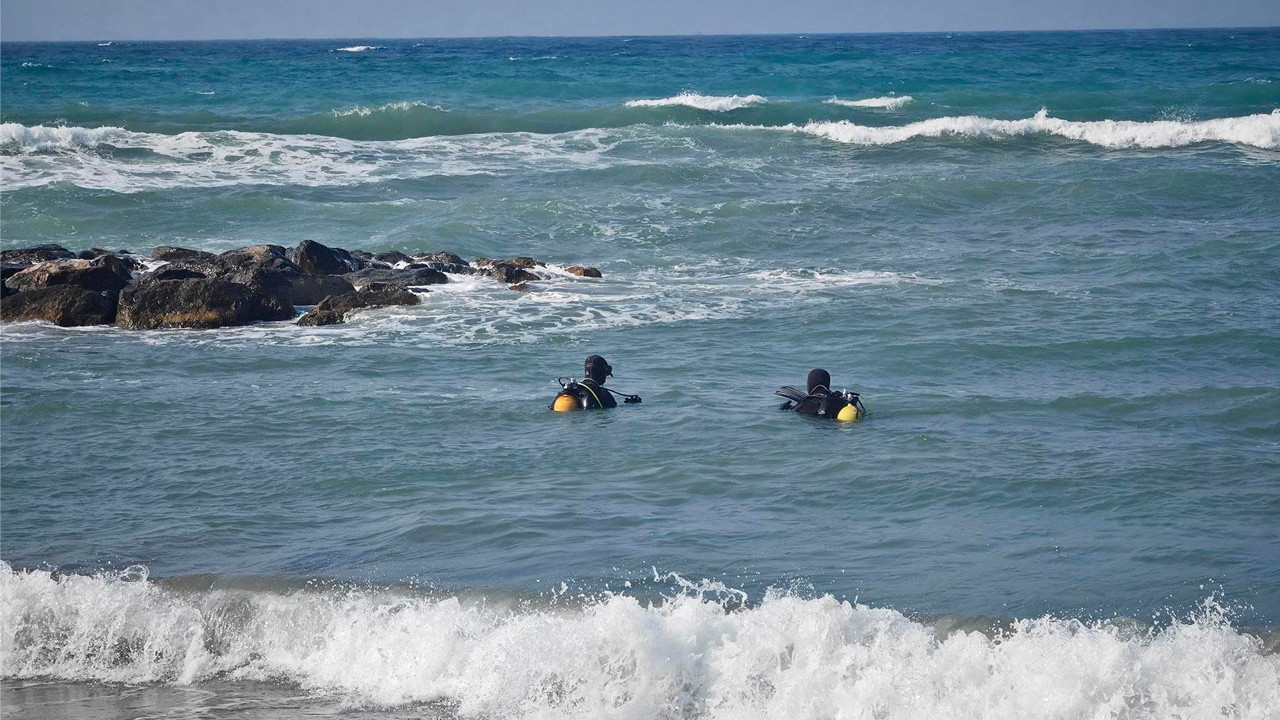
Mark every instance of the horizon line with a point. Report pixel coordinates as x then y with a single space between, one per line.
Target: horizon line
661 35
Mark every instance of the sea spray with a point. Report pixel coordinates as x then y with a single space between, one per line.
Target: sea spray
686 654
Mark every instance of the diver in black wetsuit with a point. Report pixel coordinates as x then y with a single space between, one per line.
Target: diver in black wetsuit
590 392
819 401
593 378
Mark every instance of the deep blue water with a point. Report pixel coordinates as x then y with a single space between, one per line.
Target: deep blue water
1050 263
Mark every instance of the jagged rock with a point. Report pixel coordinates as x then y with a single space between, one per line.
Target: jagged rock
525 262
263 257
107 273
445 258
311 289
35 254
174 272
64 305
510 274
333 310
272 290
198 303
393 257
520 287
316 259
8 270
409 277
581 271
169 253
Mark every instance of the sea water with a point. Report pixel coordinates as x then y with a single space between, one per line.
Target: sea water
1049 262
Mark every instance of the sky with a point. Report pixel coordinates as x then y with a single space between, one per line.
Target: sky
238 19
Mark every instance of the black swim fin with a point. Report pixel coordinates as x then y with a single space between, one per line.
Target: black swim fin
790 393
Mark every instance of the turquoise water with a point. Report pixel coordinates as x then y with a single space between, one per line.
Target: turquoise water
1050 263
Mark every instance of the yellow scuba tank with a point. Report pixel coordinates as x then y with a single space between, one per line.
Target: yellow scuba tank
565 403
851 412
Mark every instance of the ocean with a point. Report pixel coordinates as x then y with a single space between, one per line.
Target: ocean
1049 262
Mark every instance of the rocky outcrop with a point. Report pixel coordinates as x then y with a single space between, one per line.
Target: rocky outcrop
444 258
108 273
333 310
198 303
169 253
35 254
311 289
265 257
315 259
173 272
581 271
64 305
409 277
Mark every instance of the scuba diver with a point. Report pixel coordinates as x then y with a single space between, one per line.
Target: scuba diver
590 392
820 401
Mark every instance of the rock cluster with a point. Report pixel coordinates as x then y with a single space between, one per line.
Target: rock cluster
196 289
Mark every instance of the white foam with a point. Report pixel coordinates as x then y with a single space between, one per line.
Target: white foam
889 102
40 155
615 656
1262 130
363 111
105 44
715 103
359 48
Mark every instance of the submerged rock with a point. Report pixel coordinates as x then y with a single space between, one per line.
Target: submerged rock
64 305
581 271
199 303
316 259
107 273
333 310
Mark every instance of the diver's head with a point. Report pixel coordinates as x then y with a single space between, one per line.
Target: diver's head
819 378
597 369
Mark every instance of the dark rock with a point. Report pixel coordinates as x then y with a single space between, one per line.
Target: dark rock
64 305
393 257
333 310
581 271
199 303
316 259
35 254
170 253
8 270
261 257
107 273
510 274
520 287
272 291
174 272
411 277
525 262
311 289
446 258
367 260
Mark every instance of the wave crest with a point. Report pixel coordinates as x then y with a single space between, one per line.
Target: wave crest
1262 130
889 102
713 103
616 655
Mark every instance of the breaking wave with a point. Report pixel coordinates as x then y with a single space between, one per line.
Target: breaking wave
358 48
703 650
113 158
1262 130
890 102
714 103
